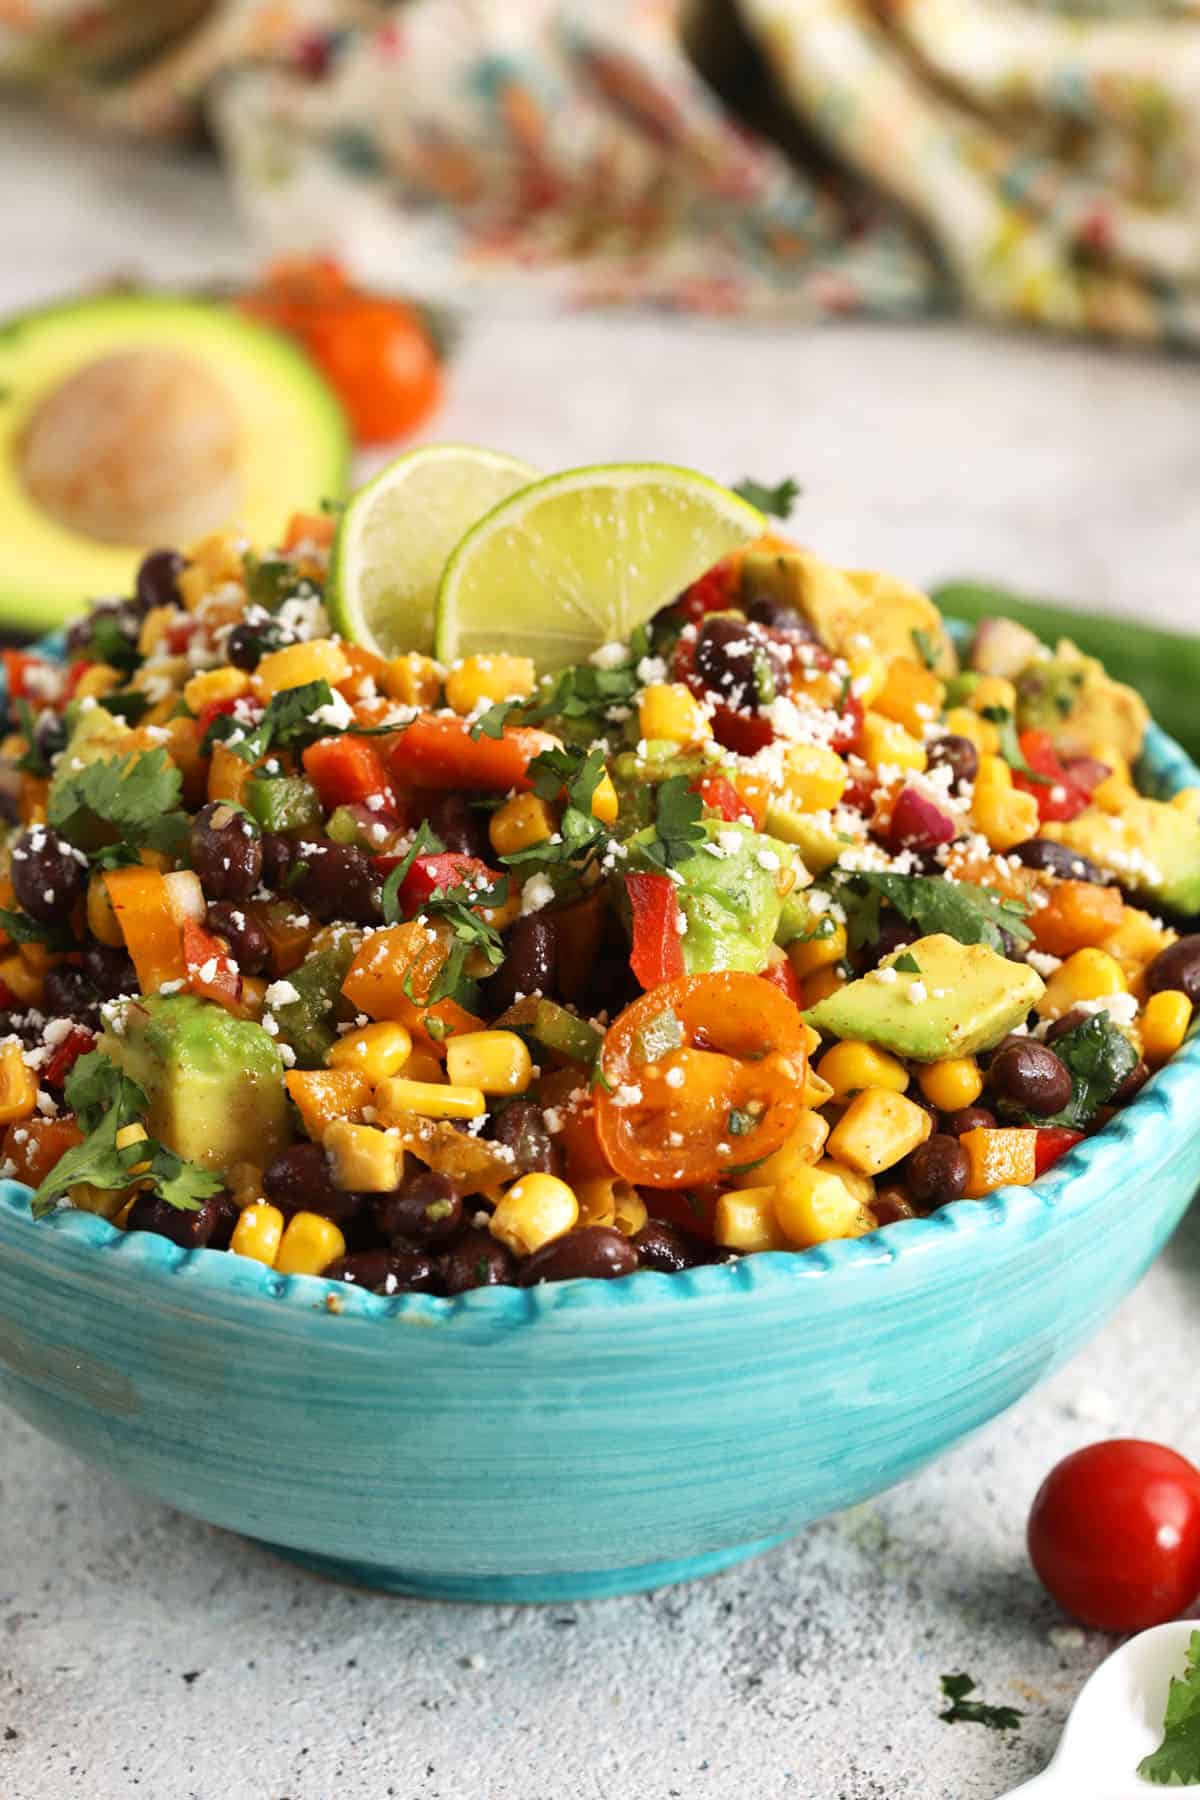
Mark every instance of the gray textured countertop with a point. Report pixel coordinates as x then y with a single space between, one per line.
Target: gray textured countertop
143 1654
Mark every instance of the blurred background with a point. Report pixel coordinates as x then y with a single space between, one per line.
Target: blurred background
937 260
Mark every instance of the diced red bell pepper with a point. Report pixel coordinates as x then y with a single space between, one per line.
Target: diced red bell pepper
432 874
1060 795
214 710
347 771
75 673
721 797
77 1043
1052 1142
438 751
715 591
782 975
847 734
179 635
657 953
211 971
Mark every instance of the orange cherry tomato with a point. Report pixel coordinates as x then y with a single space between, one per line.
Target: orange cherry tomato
379 357
704 1074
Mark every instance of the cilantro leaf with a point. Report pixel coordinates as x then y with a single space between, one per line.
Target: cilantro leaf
973 915
471 932
1176 1762
907 964
962 1711
109 642
133 800
96 1084
492 722
1100 1057
130 704
926 647
270 580
24 930
778 500
32 762
1010 745
181 1184
579 695
677 824
581 838
426 842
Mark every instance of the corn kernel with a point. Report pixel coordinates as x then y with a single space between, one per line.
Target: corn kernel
820 984
993 772
309 1245
669 711
868 672
912 695
951 1083
375 1051
597 1199
154 628
806 955
1164 1023
861 1186
320 659
534 1211
849 1067
194 584
1090 974
877 1129
745 1220
257 1233
981 732
433 1100
605 804
814 778
1113 794
21 980
219 554
802 1148
100 679
423 1066
1187 800
364 1160
18 1086
414 680
885 744
1005 816
214 686
489 678
815 1205
992 693
815 1092
498 1062
524 820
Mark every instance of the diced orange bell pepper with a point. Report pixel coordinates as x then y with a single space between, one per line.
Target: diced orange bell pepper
999 1158
1077 916
228 775
430 1026
324 1095
140 901
386 962
438 751
36 1145
211 972
288 930
365 665
347 771
309 528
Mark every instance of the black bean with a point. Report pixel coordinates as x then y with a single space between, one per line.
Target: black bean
937 1171
1057 859
1132 1085
385 1271
252 639
477 1260
48 876
209 1228
425 1209
1028 1076
49 735
300 1180
738 660
894 933
1178 966
227 852
335 881
668 1248
957 754
248 943
595 1251
969 1118
68 994
891 1205
521 1125
278 853
1060 1027
158 579
461 826
530 961
110 971
764 609
125 615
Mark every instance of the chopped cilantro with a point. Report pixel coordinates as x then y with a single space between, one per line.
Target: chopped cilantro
1176 1762
426 842
677 824
32 761
1099 1057
907 964
973 915
926 647
1010 745
130 704
741 1123
109 642
119 805
471 934
24 930
270 580
581 838
580 695
778 500
962 1711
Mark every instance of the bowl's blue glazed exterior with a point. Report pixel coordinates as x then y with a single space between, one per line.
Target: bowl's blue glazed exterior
589 1437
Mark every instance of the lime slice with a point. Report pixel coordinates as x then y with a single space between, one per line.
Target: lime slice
396 533
581 559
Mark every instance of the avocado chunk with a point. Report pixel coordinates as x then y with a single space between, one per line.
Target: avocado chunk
1071 696
960 998
813 835
287 445
851 610
730 895
215 1083
1151 847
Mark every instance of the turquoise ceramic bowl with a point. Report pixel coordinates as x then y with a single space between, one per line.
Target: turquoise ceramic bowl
590 1437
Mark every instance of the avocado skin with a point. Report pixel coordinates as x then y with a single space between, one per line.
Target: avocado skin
731 902
973 997
1151 847
214 1083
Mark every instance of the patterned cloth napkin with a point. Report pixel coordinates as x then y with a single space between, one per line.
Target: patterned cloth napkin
790 158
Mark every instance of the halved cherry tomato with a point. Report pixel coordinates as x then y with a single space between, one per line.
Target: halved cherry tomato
704 1074
656 954
1114 1534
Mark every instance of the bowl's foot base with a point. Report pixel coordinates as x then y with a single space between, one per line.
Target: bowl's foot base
592 1584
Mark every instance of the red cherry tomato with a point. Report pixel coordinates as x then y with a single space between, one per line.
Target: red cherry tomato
381 360
1114 1534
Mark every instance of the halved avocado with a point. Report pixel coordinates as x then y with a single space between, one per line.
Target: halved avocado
181 417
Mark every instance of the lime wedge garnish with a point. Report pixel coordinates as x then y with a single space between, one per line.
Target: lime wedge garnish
396 534
581 559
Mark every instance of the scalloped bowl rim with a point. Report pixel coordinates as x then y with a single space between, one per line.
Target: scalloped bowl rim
1024 1210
